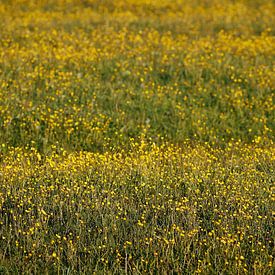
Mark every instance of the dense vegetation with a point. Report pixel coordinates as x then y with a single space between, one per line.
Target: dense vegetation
137 136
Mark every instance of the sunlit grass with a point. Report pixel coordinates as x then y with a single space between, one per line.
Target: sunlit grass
153 209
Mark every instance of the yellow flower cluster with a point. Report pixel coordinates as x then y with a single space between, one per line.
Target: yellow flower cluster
191 208
137 136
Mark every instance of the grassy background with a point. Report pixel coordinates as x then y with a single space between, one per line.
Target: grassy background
86 73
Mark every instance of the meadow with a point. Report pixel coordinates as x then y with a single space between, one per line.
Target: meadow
137 137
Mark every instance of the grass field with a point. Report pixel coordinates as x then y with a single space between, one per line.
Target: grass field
137 137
